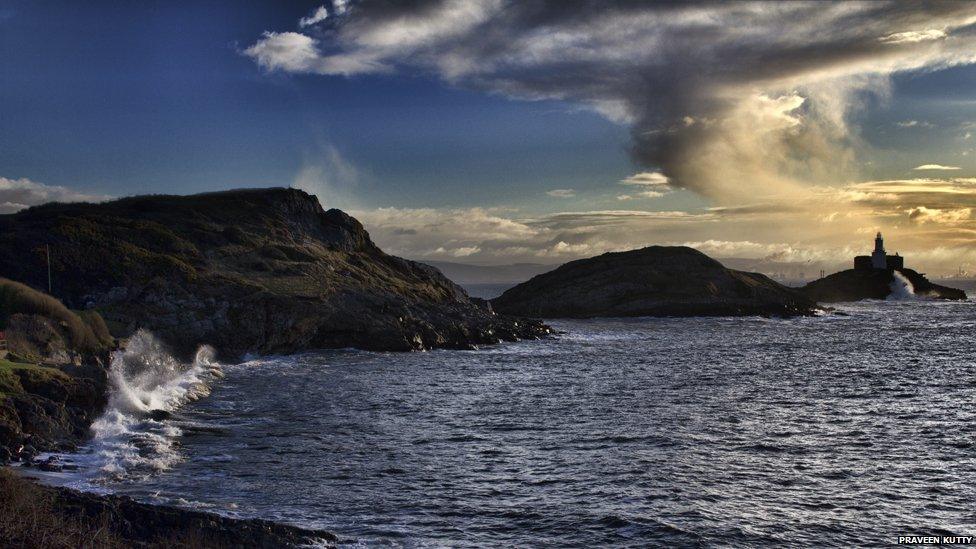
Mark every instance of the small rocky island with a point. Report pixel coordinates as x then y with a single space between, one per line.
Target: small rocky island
258 270
876 277
652 281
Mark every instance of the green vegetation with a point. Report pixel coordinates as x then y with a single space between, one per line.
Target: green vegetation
84 332
11 374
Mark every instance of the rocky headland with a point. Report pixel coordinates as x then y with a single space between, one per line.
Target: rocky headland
251 271
53 384
652 281
246 271
858 284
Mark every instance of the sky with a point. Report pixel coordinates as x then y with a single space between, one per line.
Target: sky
498 132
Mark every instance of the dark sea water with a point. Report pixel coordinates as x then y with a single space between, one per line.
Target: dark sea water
832 431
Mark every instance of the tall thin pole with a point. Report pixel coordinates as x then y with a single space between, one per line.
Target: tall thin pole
47 248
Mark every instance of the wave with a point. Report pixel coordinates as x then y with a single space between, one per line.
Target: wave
901 288
133 437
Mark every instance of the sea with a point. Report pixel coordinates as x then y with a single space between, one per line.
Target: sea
847 429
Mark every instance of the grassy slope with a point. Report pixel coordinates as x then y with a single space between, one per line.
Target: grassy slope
11 372
37 324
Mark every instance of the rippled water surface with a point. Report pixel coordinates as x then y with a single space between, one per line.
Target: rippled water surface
830 431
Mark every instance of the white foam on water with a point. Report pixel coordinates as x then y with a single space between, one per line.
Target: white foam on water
901 288
126 440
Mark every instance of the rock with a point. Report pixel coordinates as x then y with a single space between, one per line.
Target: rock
49 408
139 522
27 453
183 267
857 284
159 415
50 465
93 520
653 281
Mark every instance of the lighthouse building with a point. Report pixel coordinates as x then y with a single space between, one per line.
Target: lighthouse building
879 259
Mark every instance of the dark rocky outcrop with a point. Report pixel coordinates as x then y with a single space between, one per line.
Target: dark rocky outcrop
52 375
144 523
653 281
858 284
32 515
45 408
261 270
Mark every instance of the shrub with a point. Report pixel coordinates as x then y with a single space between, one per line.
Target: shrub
98 327
17 298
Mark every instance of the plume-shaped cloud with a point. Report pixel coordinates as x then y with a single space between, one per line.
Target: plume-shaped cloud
720 100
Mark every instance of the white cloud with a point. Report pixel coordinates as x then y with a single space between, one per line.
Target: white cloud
652 185
287 51
298 53
913 124
562 193
935 167
640 194
921 214
17 194
911 37
320 14
463 251
656 179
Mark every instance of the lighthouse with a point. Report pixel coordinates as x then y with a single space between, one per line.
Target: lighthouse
878 256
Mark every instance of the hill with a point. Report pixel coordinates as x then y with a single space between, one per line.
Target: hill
653 281
257 270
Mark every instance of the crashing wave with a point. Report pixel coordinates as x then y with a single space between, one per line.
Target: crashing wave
146 384
901 288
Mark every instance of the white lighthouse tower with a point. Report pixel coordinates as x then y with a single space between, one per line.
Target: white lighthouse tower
879 258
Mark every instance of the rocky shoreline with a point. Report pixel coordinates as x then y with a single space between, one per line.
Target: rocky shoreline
91 520
54 382
53 412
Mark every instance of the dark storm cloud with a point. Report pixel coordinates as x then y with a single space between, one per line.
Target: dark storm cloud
725 98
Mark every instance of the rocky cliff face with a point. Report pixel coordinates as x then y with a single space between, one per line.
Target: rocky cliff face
855 285
46 408
47 397
263 270
653 281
